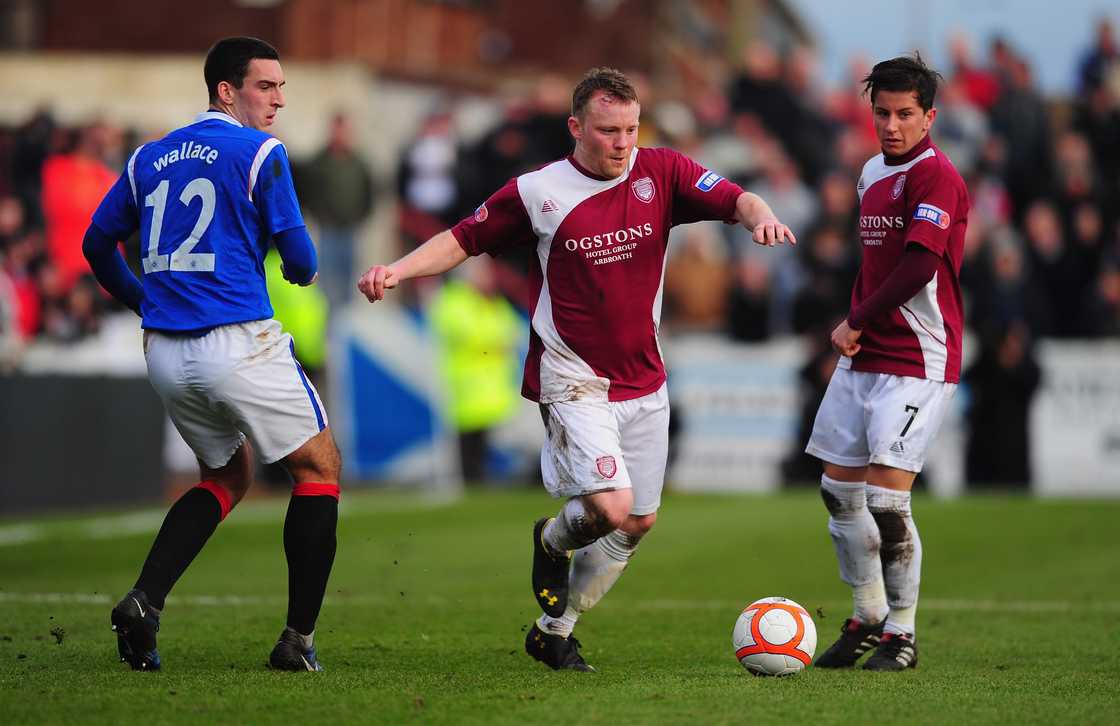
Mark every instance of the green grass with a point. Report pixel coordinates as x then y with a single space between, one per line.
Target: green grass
429 601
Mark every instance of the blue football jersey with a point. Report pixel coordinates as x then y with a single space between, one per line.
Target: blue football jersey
207 199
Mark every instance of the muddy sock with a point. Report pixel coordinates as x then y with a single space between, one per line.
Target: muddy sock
901 553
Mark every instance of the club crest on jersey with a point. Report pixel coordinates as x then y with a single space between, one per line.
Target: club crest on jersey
708 180
899 183
643 189
933 214
481 214
606 466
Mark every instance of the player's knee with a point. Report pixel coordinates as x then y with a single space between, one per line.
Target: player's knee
637 525
235 486
842 498
603 520
318 460
235 477
331 461
608 511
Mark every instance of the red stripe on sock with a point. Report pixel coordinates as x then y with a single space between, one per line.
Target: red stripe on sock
220 493
315 489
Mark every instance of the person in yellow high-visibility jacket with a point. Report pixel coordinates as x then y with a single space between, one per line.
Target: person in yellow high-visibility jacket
478 331
303 313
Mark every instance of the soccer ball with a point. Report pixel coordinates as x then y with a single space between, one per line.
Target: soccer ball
774 637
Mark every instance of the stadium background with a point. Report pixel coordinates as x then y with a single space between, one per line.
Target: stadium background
446 100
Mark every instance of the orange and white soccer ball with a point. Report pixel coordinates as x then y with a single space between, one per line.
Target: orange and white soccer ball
774 637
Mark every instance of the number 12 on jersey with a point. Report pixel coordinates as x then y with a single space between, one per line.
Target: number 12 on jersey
182 259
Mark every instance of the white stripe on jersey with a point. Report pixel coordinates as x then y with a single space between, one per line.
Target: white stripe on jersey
258 161
132 173
876 170
657 306
923 315
566 187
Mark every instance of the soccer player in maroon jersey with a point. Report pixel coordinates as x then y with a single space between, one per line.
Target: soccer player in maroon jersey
599 223
900 363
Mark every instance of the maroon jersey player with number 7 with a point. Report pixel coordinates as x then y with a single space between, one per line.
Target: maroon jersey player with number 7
900 363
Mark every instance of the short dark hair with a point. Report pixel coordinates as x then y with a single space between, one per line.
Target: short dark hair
229 60
611 80
905 73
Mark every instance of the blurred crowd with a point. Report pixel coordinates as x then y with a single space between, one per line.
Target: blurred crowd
52 178
1042 256
1043 251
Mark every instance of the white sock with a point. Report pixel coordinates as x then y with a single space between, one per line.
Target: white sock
901 554
595 569
570 530
870 601
900 621
856 539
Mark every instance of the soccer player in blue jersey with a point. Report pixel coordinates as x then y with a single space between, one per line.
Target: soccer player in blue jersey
207 199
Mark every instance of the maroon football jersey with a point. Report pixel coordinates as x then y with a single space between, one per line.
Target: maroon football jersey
920 198
600 265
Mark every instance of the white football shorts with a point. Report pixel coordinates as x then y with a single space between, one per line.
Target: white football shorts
237 380
878 418
594 446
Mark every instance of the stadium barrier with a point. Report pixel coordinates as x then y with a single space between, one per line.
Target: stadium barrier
739 406
1075 419
79 442
81 426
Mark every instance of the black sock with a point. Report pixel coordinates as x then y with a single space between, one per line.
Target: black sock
309 544
187 526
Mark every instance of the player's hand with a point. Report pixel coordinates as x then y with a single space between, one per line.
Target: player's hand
770 232
844 339
284 274
376 281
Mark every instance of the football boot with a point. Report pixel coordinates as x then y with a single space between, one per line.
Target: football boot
856 638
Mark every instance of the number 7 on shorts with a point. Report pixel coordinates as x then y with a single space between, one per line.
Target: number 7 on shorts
913 411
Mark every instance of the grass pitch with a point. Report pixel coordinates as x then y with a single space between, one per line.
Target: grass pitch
429 602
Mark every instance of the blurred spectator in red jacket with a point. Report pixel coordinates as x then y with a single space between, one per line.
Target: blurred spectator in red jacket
74 183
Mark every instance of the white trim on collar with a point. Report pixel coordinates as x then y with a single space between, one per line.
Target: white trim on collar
219 115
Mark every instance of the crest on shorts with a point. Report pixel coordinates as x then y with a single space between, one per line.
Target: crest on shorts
606 466
481 214
899 183
643 189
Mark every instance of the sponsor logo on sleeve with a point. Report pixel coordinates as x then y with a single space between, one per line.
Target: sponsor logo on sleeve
549 206
933 214
708 180
643 189
899 183
481 214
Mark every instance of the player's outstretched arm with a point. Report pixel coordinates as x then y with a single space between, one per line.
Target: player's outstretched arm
437 255
755 214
